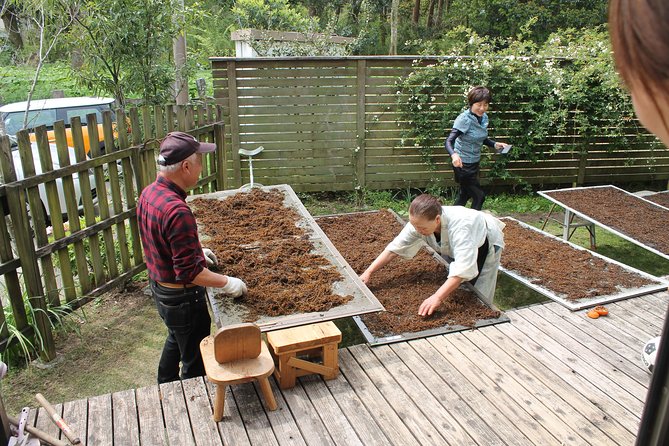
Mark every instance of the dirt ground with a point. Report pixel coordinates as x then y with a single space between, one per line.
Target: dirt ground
569 272
615 208
402 285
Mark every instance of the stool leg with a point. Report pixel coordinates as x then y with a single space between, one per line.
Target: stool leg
286 372
267 393
331 359
219 402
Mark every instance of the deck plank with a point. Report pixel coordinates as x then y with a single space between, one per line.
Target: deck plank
231 427
556 379
434 409
283 424
175 413
649 313
200 413
150 415
571 374
355 412
595 346
628 347
495 394
334 420
44 422
535 405
384 414
253 413
410 414
583 367
623 382
546 387
626 319
436 364
75 414
100 425
310 424
124 409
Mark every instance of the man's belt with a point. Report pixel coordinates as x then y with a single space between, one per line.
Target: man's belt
178 286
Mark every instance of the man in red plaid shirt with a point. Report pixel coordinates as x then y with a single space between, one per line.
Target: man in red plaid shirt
175 260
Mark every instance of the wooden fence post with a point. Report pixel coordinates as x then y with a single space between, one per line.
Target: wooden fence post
361 162
11 277
221 157
234 123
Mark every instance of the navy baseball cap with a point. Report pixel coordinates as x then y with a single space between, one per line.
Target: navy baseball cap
177 146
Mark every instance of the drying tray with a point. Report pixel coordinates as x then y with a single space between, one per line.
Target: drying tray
372 339
574 305
231 311
546 194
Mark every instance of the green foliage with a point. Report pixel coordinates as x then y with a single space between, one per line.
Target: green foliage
25 348
15 82
208 27
126 48
566 88
273 15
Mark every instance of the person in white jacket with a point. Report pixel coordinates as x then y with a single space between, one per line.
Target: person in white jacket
472 239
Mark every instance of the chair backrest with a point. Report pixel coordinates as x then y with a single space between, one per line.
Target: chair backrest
235 342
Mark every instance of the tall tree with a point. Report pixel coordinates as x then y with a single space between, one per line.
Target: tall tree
51 18
394 12
126 48
416 12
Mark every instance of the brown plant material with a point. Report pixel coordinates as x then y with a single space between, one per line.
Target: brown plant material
255 238
568 272
402 285
662 199
625 213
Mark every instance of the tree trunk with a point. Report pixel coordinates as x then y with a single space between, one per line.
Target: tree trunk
416 12
440 12
430 14
394 9
11 22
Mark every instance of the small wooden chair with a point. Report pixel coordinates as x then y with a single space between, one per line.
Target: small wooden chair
236 354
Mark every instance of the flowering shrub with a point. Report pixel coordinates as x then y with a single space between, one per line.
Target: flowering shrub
566 91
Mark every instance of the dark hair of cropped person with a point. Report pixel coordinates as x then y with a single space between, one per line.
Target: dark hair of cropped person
425 206
640 39
478 94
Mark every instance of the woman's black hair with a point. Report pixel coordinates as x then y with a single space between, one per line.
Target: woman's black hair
478 94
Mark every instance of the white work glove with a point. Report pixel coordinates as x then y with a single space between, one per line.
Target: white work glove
210 257
235 287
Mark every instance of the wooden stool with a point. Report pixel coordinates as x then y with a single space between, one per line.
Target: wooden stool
293 346
236 354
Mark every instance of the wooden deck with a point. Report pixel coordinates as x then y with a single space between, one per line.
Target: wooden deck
548 377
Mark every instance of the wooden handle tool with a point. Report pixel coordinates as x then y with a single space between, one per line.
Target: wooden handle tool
58 421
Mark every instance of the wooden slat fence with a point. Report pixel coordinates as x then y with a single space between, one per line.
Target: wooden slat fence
333 124
48 264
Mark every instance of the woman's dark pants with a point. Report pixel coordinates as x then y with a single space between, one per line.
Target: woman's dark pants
467 177
185 313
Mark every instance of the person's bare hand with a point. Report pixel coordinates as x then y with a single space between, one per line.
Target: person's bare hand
429 305
457 161
364 277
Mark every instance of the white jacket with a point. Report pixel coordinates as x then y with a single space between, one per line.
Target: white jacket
463 231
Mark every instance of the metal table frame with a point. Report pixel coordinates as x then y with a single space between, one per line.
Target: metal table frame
398 337
363 300
584 303
595 222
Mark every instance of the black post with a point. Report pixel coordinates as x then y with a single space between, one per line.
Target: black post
654 426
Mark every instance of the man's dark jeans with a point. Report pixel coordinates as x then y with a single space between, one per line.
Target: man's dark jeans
186 316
